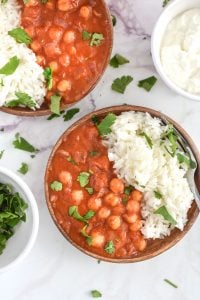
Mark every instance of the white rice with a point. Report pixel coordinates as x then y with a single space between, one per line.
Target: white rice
28 77
149 170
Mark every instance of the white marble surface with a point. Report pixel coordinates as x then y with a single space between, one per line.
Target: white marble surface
55 270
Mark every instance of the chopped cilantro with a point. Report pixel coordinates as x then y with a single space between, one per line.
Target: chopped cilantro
90 190
70 113
110 247
1 153
165 2
48 75
71 160
184 159
53 116
171 283
22 144
128 190
158 195
73 212
84 233
96 294
56 186
105 125
20 35
94 38
118 60
86 36
148 139
23 99
166 215
95 120
114 20
120 84
147 83
23 169
83 178
10 67
55 104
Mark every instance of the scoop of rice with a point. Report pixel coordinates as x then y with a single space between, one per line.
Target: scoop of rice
149 170
28 77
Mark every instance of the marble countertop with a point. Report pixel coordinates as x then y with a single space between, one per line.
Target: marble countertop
55 270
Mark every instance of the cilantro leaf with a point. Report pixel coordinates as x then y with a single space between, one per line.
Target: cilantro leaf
96 39
165 2
20 35
90 190
23 99
24 168
148 139
157 194
118 60
147 83
53 116
55 104
56 186
70 113
1 153
166 215
114 20
84 233
96 294
93 153
22 144
95 120
83 178
73 212
71 160
110 247
128 190
11 66
105 125
120 84
48 75
184 159
86 36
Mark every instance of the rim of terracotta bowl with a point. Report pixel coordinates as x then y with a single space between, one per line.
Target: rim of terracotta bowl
44 109
155 247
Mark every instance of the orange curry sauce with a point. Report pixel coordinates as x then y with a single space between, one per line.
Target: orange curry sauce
56 29
117 216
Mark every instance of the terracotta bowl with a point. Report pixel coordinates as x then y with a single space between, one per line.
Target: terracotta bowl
44 109
155 247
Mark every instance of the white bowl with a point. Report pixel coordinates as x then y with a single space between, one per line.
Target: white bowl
171 11
21 243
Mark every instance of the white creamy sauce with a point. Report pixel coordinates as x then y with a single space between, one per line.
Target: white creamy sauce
180 51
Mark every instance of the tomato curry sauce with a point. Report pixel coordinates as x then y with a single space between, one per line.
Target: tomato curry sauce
91 205
73 38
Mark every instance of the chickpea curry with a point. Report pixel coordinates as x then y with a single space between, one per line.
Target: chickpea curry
90 204
72 42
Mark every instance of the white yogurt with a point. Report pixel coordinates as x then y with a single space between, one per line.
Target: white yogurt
180 51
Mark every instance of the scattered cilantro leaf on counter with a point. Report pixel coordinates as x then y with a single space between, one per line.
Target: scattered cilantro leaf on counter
171 135
147 83
110 247
55 104
96 294
20 36
184 159
93 153
1 82
83 178
120 84
90 190
22 99
24 168
56 186
157 194
70 114
98 261
48 75
118 60
165 2
12 211
114 20
166 215
106 123
171 283
53 116
1 153
71 160
10 67
22 144
148 139
84 233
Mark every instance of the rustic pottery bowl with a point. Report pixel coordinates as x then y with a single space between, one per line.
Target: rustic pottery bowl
44 109
155 247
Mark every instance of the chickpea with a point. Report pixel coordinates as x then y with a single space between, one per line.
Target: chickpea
104 212
140 244
35 46
64 85
69 36
66 178
40 60
114 222
136 195
54 66
121 252
111 199
98 239
117 186
67 5
133 206
64 59
77 196
130 218
94 203
86 12
119 209
55 33
136 226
